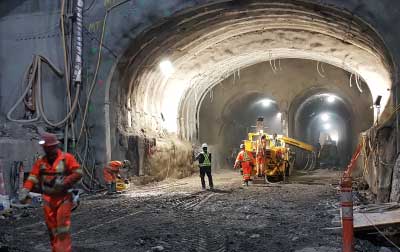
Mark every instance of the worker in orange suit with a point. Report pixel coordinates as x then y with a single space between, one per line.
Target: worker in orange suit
110 174
260 154
53 175
245 160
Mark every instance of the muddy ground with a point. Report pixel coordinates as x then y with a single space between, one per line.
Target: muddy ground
178 216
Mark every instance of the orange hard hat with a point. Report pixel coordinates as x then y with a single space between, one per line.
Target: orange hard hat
115 163
48 139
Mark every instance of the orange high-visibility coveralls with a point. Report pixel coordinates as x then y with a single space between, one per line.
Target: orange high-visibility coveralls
246 160
260 154
56 206
111 171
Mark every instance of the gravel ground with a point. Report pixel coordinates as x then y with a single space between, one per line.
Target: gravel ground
177 216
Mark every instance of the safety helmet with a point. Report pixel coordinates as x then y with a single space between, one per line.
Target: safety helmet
115 163
48 139
242 146
204 145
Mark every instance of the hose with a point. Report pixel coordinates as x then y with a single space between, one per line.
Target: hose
36 75
32 67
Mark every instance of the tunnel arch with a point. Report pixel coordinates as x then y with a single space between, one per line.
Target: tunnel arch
227 37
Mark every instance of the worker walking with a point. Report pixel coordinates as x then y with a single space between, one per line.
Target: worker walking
245 160
204 159
53 175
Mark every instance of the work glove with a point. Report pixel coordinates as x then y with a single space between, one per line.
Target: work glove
23 195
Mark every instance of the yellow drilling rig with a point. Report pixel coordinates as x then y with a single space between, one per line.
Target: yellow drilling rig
277 154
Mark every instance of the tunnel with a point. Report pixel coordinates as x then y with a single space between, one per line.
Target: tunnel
166 83
165 92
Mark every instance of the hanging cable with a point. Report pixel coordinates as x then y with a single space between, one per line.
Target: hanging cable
320 74
351 77
358 83
93 83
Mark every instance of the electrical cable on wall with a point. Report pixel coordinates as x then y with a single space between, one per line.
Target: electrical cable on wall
93 83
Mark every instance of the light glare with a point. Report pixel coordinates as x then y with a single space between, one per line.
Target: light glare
266 102
279 115
324 117
331 99
167 68
327 126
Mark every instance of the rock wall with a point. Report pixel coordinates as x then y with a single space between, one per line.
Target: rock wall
169 158
378 159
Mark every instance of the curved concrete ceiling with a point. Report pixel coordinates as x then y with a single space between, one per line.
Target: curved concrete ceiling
207 44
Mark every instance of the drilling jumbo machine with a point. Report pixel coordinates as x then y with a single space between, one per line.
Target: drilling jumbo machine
279 153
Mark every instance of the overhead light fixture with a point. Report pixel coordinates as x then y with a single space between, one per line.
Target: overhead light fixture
324 117
331 99
327 126
266 102
167 68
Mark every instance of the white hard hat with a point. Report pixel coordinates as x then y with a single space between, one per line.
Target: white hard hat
204 145
241 146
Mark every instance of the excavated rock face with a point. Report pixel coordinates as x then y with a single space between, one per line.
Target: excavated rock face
171 158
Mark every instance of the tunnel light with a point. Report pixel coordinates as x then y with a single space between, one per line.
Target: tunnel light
167 68
327 126
324 117
334 136
279 115
331 99
266 102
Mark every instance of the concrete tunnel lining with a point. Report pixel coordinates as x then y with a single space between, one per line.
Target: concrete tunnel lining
237 37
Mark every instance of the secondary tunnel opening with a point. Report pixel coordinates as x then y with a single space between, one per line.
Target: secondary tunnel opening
294 100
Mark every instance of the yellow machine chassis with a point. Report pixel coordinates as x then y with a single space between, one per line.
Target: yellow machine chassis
275 167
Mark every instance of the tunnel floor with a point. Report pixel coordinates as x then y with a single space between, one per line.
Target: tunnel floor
177 216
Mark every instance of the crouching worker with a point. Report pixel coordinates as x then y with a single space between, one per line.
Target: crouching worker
245 160
53 175
111 172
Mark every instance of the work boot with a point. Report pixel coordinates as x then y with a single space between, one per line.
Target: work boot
109 189
204 189
114 187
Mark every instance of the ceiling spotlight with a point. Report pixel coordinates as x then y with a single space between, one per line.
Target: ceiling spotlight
266 102
279 115
167 68
324 117
331 99
327 126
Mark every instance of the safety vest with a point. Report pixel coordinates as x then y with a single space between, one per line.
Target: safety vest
246 157
206 161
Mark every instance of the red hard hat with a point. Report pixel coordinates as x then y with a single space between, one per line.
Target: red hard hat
115 163
48 139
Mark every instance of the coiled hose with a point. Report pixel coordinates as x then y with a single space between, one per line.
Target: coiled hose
33 76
